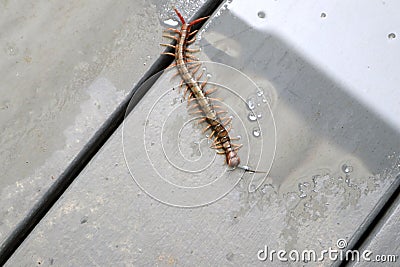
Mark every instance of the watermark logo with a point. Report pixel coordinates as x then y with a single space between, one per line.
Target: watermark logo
167 147
331 254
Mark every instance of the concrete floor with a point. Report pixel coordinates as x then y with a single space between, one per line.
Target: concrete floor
337 150
65 68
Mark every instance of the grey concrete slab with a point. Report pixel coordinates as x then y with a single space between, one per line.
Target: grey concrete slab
384 241
65 68
337 153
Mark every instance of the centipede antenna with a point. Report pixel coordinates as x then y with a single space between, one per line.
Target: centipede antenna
247 169
179 15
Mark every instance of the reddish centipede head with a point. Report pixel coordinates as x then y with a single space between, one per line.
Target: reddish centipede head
180 16
232 159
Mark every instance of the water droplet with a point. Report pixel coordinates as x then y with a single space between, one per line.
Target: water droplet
256 132
140 250
264 100
260 92
245 167
259 115
303 195
264 190
252 116
261 14
392 35
323 15
171 22
347 168
11 49
209 75
303 188
251 103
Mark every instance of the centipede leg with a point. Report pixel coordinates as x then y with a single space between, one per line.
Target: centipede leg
194 65
221 112
181 86
194 50
196 69
193 57
212 134
203 83
190 60
216 146
172 30
210 91
175 75
227 122
215 139
215 99
200 75
189 101
212 100
196 106
217 107
171 37
218 142
236 146
236 149
191 41
171 66
206 128
169 45
202 120
168 53
196 112
193 33
191 96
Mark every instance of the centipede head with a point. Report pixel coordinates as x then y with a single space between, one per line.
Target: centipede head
232 159
194 22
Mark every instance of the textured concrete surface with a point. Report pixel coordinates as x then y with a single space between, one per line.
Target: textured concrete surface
65 67
335 157
384 242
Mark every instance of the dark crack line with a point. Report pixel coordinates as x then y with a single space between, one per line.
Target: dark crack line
373 222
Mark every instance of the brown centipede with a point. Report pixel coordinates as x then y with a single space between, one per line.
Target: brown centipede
197 94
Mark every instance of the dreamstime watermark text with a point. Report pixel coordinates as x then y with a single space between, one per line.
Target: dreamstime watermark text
332 254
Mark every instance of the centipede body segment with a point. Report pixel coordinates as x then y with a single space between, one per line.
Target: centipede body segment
198 97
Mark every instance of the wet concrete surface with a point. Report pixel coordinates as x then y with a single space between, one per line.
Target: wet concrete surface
384 242
335 159
65 68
